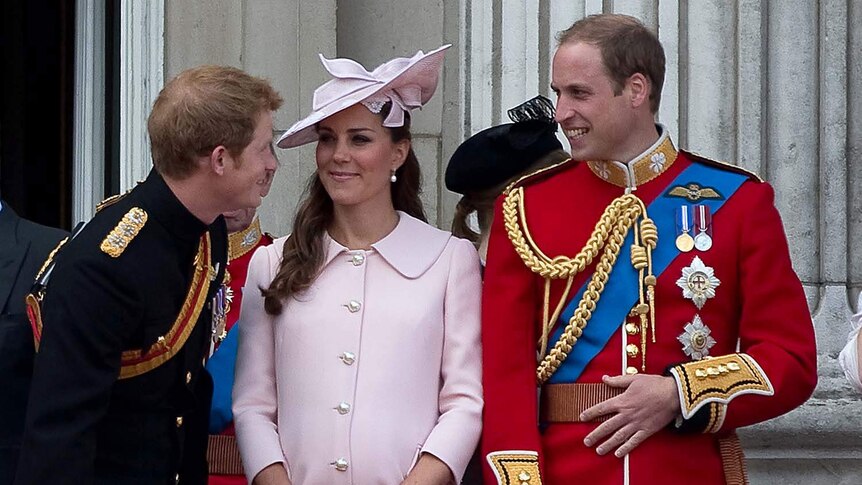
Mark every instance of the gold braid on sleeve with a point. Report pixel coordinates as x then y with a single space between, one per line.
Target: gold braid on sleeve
624 213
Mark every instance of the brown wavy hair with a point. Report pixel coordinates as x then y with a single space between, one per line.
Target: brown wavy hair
304 252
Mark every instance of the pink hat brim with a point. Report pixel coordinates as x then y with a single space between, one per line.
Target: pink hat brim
423 72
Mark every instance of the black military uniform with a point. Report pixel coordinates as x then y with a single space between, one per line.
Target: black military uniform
119 393
24 245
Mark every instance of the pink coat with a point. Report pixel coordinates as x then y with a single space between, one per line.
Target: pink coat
377 362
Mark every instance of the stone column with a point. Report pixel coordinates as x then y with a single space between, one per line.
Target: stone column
275 39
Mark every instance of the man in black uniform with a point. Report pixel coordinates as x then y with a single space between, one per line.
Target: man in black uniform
119 393
24 245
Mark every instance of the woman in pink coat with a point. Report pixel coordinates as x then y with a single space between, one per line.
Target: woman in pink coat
360 362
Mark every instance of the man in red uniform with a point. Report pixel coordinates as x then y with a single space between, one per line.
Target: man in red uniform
646 293
244 236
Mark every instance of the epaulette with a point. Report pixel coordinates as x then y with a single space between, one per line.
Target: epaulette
722 165
538 175
111 200
33 299
119 238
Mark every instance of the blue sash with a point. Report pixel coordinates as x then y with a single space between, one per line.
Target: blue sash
621 291
221 367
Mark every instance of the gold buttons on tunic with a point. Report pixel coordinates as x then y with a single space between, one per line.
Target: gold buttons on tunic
340 464
179 421
353 306
348 358
631 329
631 370
357 259
524 478
632 350
343 408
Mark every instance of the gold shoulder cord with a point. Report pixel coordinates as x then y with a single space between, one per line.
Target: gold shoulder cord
607 238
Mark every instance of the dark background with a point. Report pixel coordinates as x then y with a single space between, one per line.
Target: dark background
37 85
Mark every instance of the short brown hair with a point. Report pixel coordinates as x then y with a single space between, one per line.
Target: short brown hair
627 47
202 108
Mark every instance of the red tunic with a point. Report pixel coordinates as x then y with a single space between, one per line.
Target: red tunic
241 248
759 303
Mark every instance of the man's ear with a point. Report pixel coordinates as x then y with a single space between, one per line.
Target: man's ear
639 89
218 159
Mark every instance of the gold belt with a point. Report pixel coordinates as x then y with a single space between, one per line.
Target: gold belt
223 455
564 403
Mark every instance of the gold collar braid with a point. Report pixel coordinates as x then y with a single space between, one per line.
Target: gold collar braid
647 166
241 242
607 238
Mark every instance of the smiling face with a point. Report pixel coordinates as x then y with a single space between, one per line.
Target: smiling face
356 156
249 175
597 122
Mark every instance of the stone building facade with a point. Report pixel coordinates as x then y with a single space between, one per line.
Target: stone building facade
775 87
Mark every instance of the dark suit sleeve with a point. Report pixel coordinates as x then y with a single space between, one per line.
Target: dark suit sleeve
24 246
89 312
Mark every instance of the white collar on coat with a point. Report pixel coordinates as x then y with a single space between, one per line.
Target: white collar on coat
411 248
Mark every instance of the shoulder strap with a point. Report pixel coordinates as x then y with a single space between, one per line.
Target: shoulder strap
723 165
538 175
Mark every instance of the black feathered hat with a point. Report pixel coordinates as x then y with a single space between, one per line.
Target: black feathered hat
494 155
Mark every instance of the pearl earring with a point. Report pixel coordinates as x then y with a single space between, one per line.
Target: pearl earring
393 178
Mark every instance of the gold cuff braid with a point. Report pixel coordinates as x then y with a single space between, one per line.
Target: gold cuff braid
606 242
718 380
717 412
515 467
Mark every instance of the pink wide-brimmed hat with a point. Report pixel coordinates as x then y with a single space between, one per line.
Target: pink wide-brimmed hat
406 82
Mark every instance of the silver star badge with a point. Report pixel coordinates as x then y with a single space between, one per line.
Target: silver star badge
250 239
698 282
696 339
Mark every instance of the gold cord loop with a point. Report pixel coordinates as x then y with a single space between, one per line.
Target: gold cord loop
605 242
639 257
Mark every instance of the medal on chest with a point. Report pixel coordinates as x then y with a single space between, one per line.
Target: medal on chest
696 339
693 228
703 227
220 305
698 282
684 240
